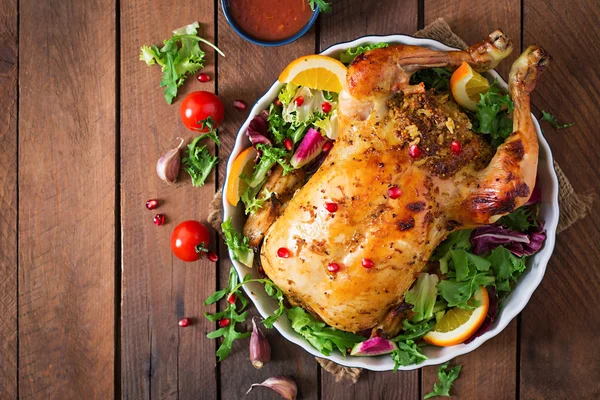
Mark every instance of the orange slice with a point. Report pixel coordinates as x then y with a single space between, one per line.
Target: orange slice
458 324
466 86
242 165
316 72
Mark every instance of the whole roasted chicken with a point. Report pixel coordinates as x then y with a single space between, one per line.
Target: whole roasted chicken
397 187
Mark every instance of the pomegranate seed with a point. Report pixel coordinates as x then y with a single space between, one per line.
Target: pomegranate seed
299 101
327 146
159 219
223 322
333 267
414 151
212 256
288 144
331 207
239 105
203 77
183 322
367 263
282 252
151 204
278 102
394 192
231 299
456 147
326 107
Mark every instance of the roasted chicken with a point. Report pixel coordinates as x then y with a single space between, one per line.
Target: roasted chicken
394 206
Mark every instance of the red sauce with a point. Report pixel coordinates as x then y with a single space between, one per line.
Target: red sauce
270 20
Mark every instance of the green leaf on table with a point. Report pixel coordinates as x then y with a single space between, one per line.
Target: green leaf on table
546 116
444 382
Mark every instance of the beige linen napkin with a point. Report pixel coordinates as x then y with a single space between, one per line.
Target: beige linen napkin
573 206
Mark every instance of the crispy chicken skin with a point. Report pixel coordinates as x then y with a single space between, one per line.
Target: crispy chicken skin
441 192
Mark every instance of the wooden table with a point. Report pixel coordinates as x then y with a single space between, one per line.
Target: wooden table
90 293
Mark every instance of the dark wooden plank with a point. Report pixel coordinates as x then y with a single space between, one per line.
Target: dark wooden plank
246 73
558 359
473 20
8 198
350 20
491 371
159 359
66 199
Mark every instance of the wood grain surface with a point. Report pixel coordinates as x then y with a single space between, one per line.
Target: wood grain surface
159 359
90 294
67 136
8 198
246 73
561 323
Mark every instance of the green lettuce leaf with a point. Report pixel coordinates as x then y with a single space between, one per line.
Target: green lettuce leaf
422 296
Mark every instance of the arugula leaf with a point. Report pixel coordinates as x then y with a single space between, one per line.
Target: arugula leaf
433 78
519 220
350 54
408 353
458 294
422 296
238 244
198 162
414 331
232 313
507 267
177 62
445 380
546 116
319 335
229 332
492 114
324 6
456 240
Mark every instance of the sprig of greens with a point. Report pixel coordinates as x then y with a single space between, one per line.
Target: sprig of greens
179 57
507 267
445 380
322 337
235 315
519 220
238 244
546 116
408 353
491 117
414 331
350 54
432 78
198 162
324 6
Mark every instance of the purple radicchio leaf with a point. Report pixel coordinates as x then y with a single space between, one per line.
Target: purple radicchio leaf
257 130
488 237
537 236
489 318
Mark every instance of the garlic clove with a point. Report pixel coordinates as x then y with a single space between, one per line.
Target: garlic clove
284 385
260 349
167 167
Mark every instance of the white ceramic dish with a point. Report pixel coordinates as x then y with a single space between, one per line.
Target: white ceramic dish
512 306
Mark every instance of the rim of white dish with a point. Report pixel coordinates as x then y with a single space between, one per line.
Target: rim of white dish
256 292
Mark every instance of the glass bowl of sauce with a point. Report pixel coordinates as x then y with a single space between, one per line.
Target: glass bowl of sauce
269 22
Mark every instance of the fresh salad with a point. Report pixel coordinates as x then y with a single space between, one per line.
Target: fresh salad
468 276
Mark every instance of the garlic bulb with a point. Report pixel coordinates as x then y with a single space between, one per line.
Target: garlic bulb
283 385
260 349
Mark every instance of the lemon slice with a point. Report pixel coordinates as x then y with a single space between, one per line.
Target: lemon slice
316 72
466 86
458 324
242 165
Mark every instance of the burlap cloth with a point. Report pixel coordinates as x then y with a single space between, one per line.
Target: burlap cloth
573 206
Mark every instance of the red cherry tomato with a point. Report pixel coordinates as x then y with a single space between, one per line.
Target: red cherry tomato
190 240
197 107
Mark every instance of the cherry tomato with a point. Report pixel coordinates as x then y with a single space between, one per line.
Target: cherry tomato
197 107
190 240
